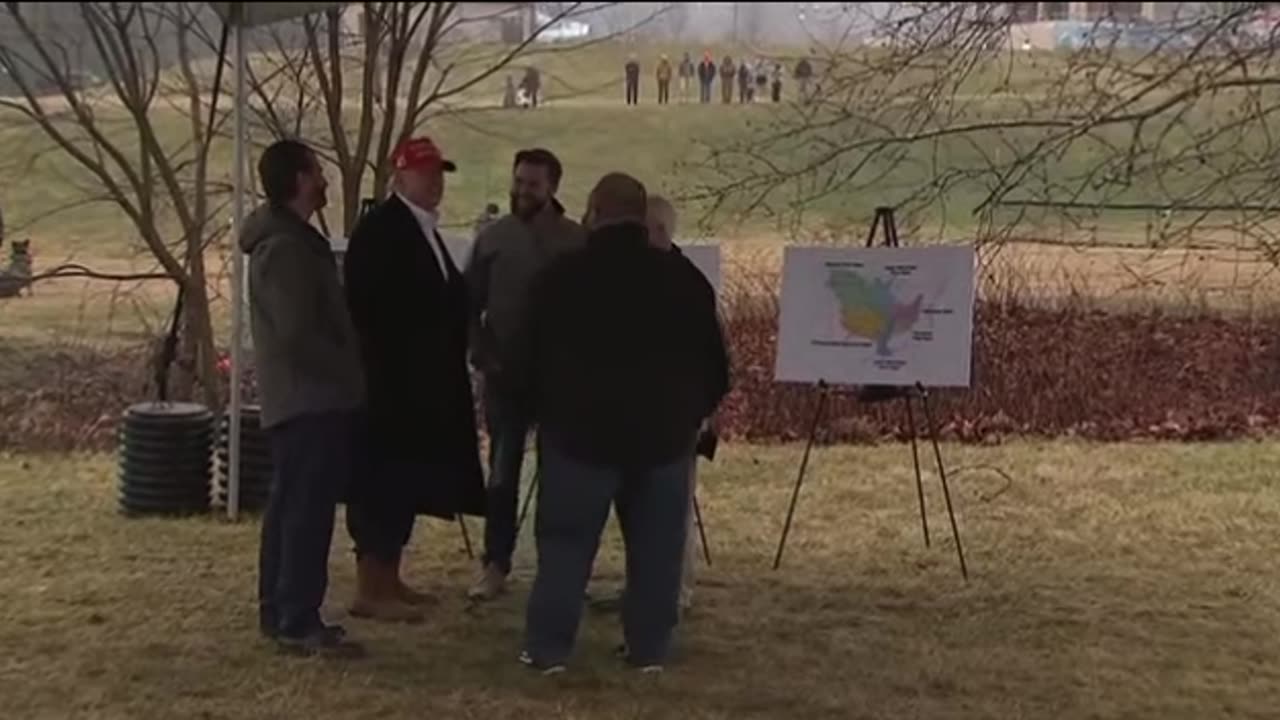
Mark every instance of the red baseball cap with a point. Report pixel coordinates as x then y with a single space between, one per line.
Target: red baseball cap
420 153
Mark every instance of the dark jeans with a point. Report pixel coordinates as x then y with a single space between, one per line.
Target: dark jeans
704 92
313 459
633 92
573 506
382 509
664 91
508 431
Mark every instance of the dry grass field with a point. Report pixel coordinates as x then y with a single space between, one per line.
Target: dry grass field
1118 581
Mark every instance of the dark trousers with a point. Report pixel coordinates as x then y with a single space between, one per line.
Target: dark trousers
573 505
633 91
313 458
664 91
508 431
704 92
381 509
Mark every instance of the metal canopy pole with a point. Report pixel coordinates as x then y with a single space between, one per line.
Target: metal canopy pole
237 276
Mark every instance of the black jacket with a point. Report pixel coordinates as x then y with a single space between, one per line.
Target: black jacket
412 322
623 357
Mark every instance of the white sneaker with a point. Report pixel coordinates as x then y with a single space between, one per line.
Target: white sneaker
552 669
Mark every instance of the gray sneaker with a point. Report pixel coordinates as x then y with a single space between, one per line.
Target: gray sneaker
545 668
623 654
491 583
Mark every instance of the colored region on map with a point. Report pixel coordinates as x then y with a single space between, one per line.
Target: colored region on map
869 308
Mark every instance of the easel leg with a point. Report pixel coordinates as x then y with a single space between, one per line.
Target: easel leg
466 537
804 463
702 531
915 459
942 474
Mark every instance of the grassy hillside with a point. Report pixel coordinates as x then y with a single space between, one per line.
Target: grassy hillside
587 124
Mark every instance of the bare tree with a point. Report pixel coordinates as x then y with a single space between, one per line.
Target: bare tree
944 112
109 128
377 72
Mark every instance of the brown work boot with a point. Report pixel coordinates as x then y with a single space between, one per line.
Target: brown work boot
376 594
491 583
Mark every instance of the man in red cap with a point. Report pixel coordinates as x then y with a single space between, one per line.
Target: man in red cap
408 300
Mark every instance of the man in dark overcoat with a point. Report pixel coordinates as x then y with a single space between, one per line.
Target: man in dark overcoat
408 300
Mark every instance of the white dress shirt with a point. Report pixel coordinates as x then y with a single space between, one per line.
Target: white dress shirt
428 221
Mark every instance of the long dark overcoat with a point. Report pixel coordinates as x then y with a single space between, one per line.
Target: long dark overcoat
412 320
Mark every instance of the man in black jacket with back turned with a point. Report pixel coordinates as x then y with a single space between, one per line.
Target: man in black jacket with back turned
409 302
621 361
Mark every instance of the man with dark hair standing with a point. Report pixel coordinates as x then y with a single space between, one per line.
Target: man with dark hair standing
506 257
308 371
618 369
409 302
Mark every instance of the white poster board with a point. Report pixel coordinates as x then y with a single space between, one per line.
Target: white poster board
707 258
877 316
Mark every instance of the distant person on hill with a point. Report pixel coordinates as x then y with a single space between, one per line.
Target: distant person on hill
632 72
706 77
728 73
777 82
664 80
532 85
804 75
686 73
509 94
744 82
487 218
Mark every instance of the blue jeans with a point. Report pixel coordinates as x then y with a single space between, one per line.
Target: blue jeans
573 505
508 430
313 458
